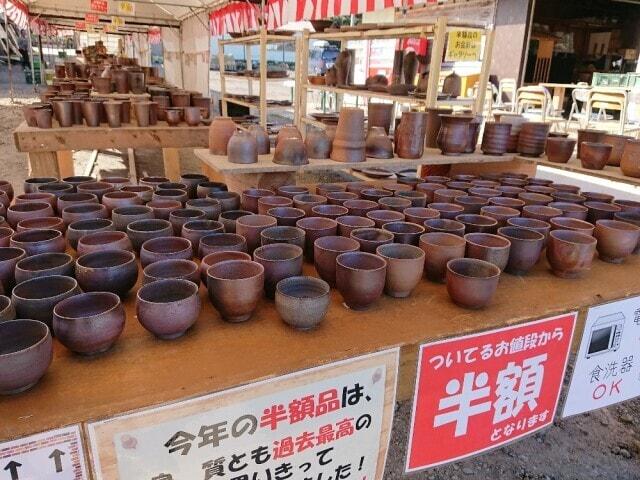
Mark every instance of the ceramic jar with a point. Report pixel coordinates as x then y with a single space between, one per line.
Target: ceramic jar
617 143
559 149
434 122
410 134
589 135
318 144
349 142
262 139
630 161
378 144
453 135
379 115
290 151
495 139
220 132
242 148
533 138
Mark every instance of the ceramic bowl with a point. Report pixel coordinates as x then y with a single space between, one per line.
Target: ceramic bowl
439 248
541 212
145 192
7 310
24 211
329 211
204 189
217 257
235 288
123 216
101 241
96 188
381 217
338 198
168 307
114 271
251 226
600 211
314 228
417 199
616 240
228 200
44 265
567 223
180 216
170 194
5 235
360 278
117 199
471 204
89 323
49 198
570 253
34 242
499 213
221 242
405 267
9 257
212 208
84 211
291 191
474 223
418 215
77 230
326 250
140 231
36 298
348 223
26 351
472 283
302 302
371 238
196 229
163 208
286 216
292 235
164 248
444 225
42 223
404 232
280 261
540 226
572 210
273 201
249 198
359 208
230 218
526 248
172 268
448 211
490 248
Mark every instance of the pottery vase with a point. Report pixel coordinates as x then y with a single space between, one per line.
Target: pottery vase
349 142
410 135
533 138
453 135
378 144
242 148
379 115
220 132
318 144
434 123
262 139
495 138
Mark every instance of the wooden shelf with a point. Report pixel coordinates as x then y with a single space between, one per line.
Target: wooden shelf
141 371
377 33
574 165
256 39
256 105
265 163
366 94
257 79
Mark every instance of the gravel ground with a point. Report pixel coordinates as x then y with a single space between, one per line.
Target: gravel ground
602 445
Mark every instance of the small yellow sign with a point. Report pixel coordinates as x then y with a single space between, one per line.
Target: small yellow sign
126 8
117 21
463 45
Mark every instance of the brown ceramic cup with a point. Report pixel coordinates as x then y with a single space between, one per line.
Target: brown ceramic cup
280 261
172 268
490 248
140 231
314 228
235 288
113 271
570 253
251 226
371 238
163 248
472 283
217 257
326 250
616 240
221 242
302 302
439 248
526 248
348 223
405 267
37 297
360 278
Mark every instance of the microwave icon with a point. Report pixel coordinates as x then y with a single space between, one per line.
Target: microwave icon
606 334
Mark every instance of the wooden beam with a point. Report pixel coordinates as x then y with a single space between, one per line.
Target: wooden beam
171 159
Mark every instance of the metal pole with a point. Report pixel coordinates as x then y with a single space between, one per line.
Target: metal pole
6 31
43 63
33 70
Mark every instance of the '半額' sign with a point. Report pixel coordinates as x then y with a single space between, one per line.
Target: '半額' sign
332 421
463 45
52 455
477 392
607 367
91 18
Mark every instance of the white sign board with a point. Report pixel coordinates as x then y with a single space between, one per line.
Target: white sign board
607 368
52 455
333 420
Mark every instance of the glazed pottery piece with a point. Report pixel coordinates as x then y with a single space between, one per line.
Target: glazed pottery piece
533 138
598 197
410 135
349 142
44 265
317 144
348 223
379 115
216 257
9 257
117 199
417 199
7 310
616 240
453 135
102 241
180 216
628 205
405 267
470 203
168 307
570 253
163 208
314 228
37 297
235 288
589 135
381 217
559 149
69 199
24 211
526 248
192 180
286 216
42 223
26 351
114 271
371 238
595 156
568 223
418 215
329 211
34 242
80 228
250 227
474 223
37 197
164 248
302 302
600 211
374 194
490 248
280 261
291 191
139 231
541 212
282 234
360 278
57 188
306 202
177 194
262 139
89 323
249 198
212 208
404 232
272 201
448 211
472 283
242 148
495 139
143 191
530 198
96 188
32 184
540 226
220 242
630 160
326 250
196 229
220 132
172 268
123 216
230 218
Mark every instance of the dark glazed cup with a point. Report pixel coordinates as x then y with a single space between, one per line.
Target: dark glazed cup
314 228
570 253
280 261
405 266
439 248
172 268
26 351
286 216
89 323
360 278
490 248
326 250
472 283
140 231
251 226
371 238
348 223
526 248
217 257
235 288
221 242
404 232
168 308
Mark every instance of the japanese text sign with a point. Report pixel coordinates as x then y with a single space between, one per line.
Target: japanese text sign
91 18
607 368
99 6
56 454
480 391
80 26
463 45
126 8
117 21
328 422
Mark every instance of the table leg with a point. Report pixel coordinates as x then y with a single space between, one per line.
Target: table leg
171 157
43 164
558 98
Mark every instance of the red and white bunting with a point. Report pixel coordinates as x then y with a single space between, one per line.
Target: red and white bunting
155 35
235 17
17 12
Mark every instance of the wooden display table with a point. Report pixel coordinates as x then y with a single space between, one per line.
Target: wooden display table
141 371
574 165
266 174
50 150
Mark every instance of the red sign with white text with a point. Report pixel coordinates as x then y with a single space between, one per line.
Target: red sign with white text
477 392
91 18
99 6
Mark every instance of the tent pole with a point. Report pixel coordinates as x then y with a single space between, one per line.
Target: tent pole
181 54
43 63
8 45
33 71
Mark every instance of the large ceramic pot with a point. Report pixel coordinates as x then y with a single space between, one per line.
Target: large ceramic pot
434 122
220 132
595 156
410 135
617 143
360 278
533 138
630 161
235 288
136 82
318 144
379 115
454 133
589 135
242 148
559 149
349 142
495 139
